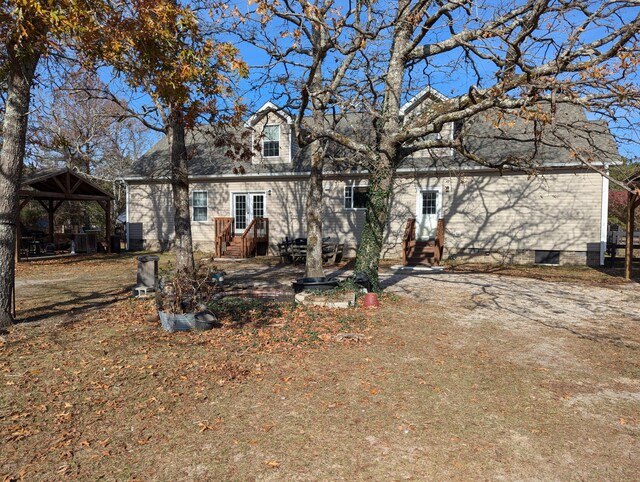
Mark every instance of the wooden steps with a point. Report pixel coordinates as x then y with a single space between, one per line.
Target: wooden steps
254 239
421 253
234 248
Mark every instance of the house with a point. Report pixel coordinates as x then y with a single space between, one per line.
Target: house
558 215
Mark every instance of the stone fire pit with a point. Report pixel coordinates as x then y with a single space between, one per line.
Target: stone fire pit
335 300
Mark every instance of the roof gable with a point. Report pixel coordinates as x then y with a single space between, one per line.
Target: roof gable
268 107
420 97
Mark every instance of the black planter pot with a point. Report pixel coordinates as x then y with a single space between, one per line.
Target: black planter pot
314 284
204 325
205 320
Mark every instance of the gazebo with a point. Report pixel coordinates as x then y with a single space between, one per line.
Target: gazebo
52 187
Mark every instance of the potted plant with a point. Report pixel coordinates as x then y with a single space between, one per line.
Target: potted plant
182 298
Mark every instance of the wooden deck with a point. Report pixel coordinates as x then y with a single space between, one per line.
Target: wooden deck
230 244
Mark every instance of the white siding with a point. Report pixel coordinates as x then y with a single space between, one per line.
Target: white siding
286 138
559 211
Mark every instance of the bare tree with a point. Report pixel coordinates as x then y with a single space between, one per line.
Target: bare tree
70 129
520 55
318 43
94 136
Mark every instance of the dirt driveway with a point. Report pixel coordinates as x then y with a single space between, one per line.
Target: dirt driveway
530 306
459 377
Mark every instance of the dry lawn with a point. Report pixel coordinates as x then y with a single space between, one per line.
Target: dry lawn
456 377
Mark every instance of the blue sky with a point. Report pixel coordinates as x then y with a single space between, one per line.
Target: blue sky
456 81
449 81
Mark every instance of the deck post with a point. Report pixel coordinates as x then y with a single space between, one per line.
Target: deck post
628 255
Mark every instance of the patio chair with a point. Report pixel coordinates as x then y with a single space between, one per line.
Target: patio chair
333 253
284 251
299 253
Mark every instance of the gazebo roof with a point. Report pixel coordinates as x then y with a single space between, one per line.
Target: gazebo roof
62 184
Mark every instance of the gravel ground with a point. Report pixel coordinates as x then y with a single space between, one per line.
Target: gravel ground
534 307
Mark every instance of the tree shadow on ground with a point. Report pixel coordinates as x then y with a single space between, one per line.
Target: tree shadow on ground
237 312
556 304
77 304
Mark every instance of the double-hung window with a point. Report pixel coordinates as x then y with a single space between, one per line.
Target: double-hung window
199 204
355 197
271 141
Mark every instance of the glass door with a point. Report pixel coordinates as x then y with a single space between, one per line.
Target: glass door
257 211
429 211
246 207
240 213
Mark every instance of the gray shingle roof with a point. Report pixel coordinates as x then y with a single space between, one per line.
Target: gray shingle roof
494 136
212 152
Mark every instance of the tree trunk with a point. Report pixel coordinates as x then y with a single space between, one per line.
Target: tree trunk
370 246
183 245
14 131
383 168
313 267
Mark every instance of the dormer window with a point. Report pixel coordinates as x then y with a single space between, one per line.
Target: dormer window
271 141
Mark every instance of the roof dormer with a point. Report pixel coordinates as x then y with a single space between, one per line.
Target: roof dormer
421 103
271 135
422 99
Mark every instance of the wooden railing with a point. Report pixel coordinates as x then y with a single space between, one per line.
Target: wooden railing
439 243
223 234
258 230
408 239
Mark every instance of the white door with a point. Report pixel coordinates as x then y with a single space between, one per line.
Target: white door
246 207
429 210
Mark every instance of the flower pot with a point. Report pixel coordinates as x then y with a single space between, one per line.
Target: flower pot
371 301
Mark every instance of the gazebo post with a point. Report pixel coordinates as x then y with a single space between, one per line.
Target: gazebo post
18 240
50 211
107 214
18 229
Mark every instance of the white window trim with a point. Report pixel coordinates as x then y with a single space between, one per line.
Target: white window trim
233 193
193 219
344 195
279 141
439 200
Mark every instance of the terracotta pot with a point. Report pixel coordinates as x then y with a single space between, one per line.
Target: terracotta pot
371 300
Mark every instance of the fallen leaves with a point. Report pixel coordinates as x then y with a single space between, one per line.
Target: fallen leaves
205 425
115 367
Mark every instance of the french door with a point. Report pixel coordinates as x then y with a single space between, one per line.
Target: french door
429 210
245 207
